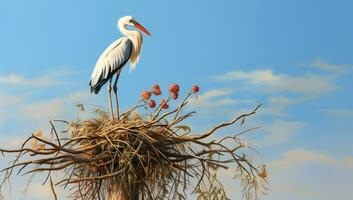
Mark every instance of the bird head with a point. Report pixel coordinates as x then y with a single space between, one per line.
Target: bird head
130 21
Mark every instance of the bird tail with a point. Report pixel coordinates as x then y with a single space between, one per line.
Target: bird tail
96 88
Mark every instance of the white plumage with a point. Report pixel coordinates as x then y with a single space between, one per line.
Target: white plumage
115 57
110 62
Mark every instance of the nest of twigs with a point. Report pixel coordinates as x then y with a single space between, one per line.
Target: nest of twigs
150 156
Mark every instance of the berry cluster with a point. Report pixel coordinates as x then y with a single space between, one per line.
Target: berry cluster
156 90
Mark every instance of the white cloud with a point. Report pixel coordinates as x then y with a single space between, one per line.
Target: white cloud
300 157
325 66
16 79
255 77
57 108
10 100
19 109
280 131
51 77
305 174
284 101
337 112
9 103
282 90
276 105
293 189
226 102
290 177
215 97
308 84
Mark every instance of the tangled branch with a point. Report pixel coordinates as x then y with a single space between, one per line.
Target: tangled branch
152 156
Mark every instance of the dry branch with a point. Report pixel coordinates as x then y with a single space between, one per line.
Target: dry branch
138 157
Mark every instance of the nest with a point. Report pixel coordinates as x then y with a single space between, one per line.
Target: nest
150 156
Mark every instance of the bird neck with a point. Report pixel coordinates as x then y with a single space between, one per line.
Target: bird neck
136 39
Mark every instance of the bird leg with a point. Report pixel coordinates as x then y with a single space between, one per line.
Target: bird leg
115 88
110 97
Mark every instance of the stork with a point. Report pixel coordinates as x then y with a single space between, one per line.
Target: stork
115 57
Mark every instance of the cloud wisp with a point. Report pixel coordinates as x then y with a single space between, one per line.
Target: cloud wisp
269 82
281 89
300 157
280 131
331 178
20 80
337 112
329 67
49 78
215 98
57 108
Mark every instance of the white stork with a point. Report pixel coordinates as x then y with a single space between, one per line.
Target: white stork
114 58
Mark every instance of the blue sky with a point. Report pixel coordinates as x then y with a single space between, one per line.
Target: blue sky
295 57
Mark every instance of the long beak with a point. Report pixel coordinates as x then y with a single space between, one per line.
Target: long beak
139 26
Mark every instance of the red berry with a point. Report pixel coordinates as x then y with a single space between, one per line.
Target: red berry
152 104
174 88
163 104
157 91
195 89
146 95
166 106
155 86
175 95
